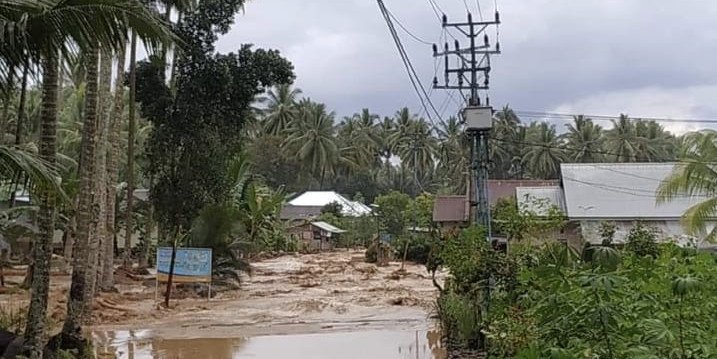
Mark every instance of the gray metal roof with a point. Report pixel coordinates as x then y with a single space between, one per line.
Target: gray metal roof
322 198
327 227
620 191
540 200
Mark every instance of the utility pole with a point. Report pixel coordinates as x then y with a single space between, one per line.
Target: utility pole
473 65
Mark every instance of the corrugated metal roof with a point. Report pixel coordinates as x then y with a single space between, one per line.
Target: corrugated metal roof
450 209
299 212
498 189
619 191
327 227
539 200
322 198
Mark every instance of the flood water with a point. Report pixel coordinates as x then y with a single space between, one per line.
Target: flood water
347 345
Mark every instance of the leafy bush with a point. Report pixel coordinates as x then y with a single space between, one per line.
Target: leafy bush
642 241
549 303
417 248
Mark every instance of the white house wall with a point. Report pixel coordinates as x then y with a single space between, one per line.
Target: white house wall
667 230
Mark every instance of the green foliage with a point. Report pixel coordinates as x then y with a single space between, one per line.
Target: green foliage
607 233
391 212
618 305
642 241
540 220
192 126
417 247
333 208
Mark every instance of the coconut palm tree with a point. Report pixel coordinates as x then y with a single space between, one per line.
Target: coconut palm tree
417 148
312 139
543 151
384 130
622 141
42 30
584 141
113 163
506 143
453 155
282 109
695 176
654 143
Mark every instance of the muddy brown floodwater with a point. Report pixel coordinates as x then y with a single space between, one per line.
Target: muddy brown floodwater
327 305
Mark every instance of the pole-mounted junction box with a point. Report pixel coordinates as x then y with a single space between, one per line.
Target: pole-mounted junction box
478 118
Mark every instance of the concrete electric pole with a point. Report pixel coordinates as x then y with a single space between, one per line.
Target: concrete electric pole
472 72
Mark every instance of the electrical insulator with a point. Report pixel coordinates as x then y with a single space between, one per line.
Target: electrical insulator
497 46
485 40
457 45
435 49
497 17
445 19
470 17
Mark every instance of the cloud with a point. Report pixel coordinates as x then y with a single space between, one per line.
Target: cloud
689 103
555 52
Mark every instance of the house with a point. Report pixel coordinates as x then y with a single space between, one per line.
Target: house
322 198
618 193
501 189
307 207
451 211
454 211
623 194
316 236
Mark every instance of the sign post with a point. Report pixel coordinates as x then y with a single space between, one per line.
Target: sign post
191 265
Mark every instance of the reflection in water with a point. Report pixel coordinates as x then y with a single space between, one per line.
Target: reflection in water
352 345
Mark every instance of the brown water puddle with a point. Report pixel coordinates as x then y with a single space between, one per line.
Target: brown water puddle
347 345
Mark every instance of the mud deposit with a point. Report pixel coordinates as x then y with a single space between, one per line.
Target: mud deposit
328 305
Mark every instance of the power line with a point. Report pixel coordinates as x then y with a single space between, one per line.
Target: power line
564 148
407 31
413 76
480 12
627 190
566 116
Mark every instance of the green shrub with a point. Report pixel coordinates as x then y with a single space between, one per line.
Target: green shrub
460 318
418 250
642 241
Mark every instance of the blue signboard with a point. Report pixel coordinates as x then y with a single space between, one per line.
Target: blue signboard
190 264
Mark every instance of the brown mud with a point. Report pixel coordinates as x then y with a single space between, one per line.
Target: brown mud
291 297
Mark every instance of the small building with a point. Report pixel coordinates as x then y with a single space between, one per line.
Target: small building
316 236
451 211
502 189
621 194
319 199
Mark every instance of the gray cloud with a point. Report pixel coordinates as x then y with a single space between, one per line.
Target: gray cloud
600 56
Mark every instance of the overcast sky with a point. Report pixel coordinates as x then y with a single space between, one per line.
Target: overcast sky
641 57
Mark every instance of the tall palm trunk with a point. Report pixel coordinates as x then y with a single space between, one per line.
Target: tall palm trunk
105 101
113 162
80 293
35 330
6 105
127 259
20 121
